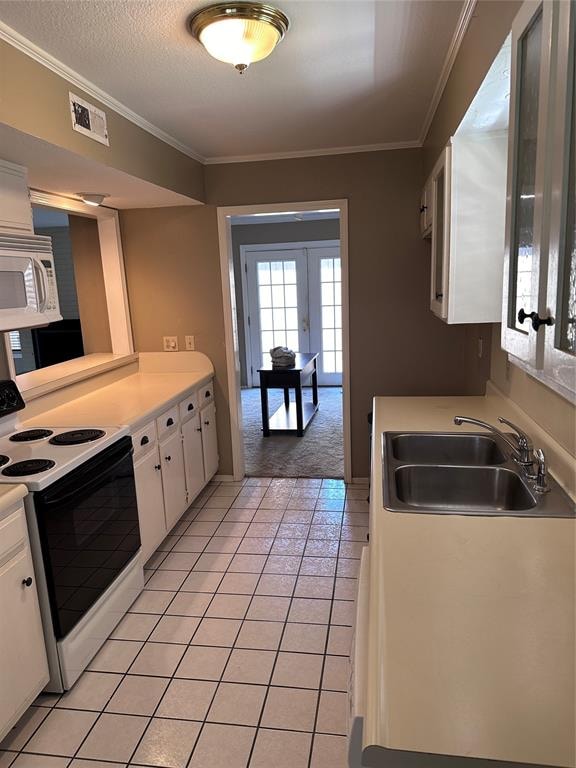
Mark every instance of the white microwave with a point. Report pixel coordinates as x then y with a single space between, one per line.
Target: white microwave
28 291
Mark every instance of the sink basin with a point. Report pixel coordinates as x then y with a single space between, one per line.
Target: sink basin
455 473
449 448
471 489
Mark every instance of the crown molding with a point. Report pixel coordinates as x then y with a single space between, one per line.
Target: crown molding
414 144
460 31
27 47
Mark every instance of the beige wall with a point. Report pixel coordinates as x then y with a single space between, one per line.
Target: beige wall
90 284
487 31
552 412
33 99
397 345
173 276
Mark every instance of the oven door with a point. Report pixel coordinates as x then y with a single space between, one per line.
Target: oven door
88 525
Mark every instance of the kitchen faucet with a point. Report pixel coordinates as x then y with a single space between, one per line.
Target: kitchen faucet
519 443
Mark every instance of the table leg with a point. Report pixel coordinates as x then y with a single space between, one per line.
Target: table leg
264 401
315 385
299 414
286 397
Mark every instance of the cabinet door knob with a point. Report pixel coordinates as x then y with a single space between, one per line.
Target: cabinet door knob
145 440
27 582
157 466
423 208
190 407
170 422
207 423
168 458
534 317
207 393
439 296
198 429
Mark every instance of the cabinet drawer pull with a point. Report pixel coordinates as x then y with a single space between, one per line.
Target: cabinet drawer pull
157 467
190 407
145 440
439 296
423 208
207 423
168 458
170 422
198 429
27 582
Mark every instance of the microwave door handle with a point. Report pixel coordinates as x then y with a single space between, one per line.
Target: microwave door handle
40 284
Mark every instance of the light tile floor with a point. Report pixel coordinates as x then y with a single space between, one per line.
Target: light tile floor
236 653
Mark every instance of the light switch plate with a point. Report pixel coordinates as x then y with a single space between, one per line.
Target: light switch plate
189 340
170 343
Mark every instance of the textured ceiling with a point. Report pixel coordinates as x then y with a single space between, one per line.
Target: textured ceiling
349 72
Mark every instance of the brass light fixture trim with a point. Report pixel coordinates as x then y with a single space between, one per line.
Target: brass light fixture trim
246 11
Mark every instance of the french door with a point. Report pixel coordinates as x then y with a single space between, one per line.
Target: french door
294 298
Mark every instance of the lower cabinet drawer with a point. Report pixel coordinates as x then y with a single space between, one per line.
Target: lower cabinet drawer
167 422
13 532
188 407
144 439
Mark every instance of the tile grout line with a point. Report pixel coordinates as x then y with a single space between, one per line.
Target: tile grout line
251 512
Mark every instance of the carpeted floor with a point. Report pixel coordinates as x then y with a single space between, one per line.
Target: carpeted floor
320 453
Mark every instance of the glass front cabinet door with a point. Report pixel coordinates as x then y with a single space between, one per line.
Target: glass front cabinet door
538 325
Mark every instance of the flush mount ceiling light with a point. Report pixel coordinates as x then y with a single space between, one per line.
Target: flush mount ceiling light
92 198
239 33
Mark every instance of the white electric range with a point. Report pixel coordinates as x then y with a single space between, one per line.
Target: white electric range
82 520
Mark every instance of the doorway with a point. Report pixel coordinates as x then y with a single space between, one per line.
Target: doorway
293 292
287 291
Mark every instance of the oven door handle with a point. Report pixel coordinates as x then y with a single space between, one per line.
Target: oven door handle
63 498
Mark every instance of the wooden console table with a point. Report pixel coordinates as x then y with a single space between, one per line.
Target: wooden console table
290 417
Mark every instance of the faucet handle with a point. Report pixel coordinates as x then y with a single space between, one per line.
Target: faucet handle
523 439
541 484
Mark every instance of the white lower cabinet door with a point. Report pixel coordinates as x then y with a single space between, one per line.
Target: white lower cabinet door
173 479
149 493
23 663
193 456
209 440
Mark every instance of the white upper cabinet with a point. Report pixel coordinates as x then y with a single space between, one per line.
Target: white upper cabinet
467 193
439 185
464 203
539 307
15 208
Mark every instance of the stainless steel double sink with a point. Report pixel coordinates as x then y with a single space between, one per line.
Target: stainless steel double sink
462 474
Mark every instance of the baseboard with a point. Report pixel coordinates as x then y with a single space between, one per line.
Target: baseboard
223 478
360 480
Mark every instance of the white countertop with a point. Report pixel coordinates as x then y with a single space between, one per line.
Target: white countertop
471 646
10 495
131 401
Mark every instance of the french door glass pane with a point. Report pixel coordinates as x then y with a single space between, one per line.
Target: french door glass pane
331 293
278 304
525 171
567 303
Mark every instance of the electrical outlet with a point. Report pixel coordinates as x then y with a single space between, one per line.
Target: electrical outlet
189 340
170 343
